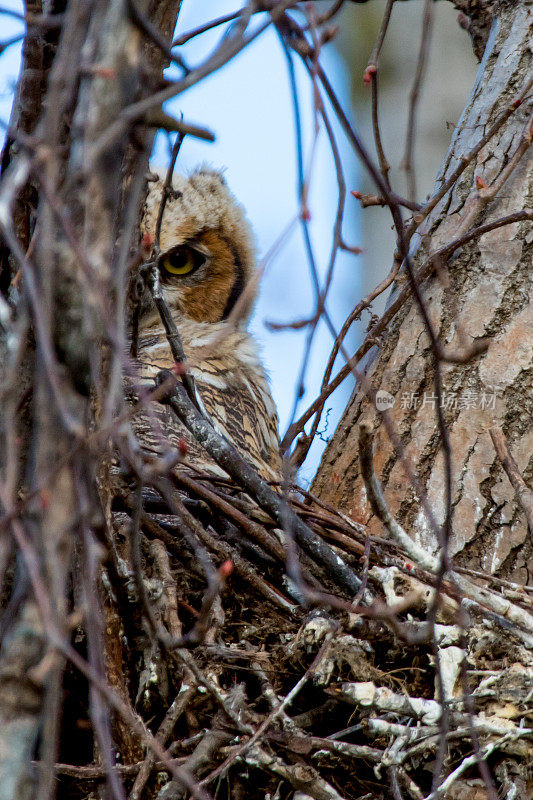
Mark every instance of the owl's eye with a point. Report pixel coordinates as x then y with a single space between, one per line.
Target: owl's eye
181 262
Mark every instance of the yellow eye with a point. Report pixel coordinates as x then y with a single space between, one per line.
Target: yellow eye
182 261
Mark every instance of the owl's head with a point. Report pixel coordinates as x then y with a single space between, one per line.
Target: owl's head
206 255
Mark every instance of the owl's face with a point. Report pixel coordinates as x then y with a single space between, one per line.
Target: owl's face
206 255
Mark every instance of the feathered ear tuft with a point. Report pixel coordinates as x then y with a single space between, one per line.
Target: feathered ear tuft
213 172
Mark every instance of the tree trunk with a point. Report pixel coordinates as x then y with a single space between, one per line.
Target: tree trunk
483 290
51 376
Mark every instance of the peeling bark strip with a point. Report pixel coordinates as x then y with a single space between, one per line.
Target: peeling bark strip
486 291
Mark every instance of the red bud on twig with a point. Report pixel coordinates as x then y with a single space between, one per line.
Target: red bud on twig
226 569
367 74
179 368
147 242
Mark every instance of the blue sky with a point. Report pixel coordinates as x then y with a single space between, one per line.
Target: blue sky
247 104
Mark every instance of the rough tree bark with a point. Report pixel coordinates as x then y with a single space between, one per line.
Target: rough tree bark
484 290
57 120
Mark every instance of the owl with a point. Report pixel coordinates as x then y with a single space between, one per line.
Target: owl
206 265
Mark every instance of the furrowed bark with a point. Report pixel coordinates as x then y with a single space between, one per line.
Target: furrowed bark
486 291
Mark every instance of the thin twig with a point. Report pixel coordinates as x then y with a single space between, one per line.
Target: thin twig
214 23
523 493
227 457
407 163
467 159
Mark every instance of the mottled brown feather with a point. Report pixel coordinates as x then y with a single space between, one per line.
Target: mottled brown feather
229 377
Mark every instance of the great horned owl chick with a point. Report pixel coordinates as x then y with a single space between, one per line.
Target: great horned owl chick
206 263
